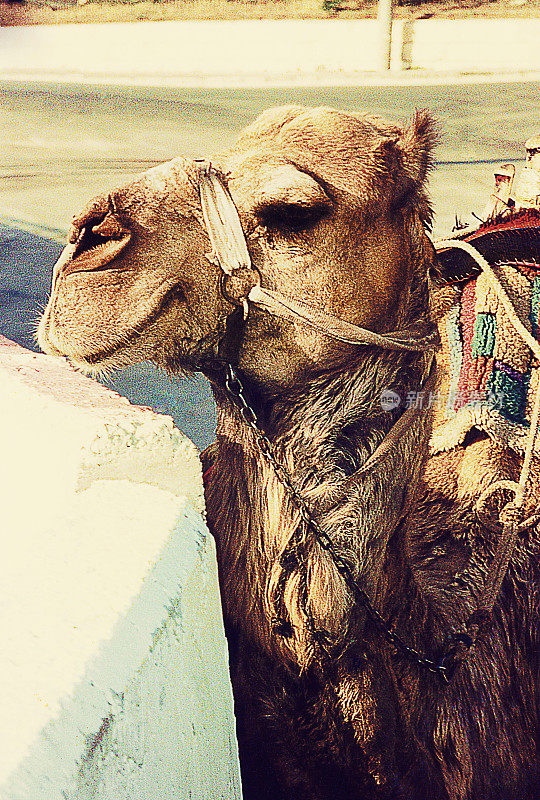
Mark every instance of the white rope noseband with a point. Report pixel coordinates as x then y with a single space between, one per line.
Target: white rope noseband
229 249
334 327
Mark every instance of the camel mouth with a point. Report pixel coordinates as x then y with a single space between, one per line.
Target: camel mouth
172 295
109 356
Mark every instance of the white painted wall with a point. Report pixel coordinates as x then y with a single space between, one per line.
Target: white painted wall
193 49
257 52
477 45
109 601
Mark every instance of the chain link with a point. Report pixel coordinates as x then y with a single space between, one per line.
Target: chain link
459 641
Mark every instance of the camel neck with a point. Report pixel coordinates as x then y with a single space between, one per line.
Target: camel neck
322 434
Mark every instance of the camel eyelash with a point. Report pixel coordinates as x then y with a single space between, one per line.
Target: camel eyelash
291 216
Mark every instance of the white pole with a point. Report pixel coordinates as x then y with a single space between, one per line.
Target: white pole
384 25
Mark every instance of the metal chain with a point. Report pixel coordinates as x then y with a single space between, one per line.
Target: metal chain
460 642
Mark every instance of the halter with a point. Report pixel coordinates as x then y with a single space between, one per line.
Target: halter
230 253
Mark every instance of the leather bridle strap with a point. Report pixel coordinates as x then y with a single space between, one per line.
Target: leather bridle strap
334 327
230 253
229 249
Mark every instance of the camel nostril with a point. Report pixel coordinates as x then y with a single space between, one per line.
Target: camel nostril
96 230
87 240
96 248
110 227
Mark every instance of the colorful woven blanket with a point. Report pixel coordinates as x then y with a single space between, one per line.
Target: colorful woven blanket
491 375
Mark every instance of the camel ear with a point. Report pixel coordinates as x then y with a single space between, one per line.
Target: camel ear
416 144
408 159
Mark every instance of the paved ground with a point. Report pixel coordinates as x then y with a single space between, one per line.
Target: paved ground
261 52
62 145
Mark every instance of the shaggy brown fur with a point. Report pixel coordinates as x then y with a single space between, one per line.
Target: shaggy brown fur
334 207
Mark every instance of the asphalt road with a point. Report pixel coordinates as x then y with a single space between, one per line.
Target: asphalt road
62 145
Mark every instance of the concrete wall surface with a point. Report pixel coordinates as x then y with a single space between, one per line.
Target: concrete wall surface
114 681
476 45
255 52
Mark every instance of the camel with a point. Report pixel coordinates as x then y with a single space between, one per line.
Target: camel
351 561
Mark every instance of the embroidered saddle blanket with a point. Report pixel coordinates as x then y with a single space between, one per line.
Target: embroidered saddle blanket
491 375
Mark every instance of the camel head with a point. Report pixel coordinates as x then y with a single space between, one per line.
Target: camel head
333 209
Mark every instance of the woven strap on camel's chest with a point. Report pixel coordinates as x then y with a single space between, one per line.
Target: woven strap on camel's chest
492 375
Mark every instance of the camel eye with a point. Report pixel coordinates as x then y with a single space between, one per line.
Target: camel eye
285 217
